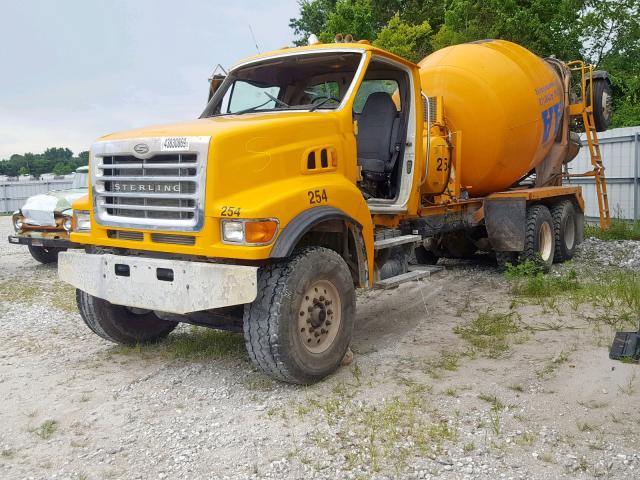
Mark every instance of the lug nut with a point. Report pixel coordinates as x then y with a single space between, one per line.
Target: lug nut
329 312
316 334
321 298
323 331
328 322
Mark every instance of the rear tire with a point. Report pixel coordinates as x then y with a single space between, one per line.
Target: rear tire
119 324
564 228
539 242
287 328
45 255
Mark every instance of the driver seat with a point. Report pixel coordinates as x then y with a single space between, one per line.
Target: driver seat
377 136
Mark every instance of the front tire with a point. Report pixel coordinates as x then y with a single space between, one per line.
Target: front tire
120 324
45 255
424 256
299 327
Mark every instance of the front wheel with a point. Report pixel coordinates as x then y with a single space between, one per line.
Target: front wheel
45 255
118 324
299 327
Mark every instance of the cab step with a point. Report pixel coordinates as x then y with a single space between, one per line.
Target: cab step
426 268
415 274
395 241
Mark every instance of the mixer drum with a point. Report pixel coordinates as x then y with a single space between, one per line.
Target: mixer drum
506 102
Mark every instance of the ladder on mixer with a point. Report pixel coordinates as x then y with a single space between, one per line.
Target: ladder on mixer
586 111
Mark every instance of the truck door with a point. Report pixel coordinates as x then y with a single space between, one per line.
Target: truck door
385 113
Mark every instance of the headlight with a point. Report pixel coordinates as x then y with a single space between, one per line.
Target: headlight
249 232
81 221
233 231
67 224
17 223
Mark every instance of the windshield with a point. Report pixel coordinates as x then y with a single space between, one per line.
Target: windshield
306 81
80 180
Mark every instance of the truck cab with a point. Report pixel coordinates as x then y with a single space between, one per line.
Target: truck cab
310 173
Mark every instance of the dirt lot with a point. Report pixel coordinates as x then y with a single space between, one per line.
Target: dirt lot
466 375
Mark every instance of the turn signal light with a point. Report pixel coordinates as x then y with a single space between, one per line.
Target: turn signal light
260 232
249 232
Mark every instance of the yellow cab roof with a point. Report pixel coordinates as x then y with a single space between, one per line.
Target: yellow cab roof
365 47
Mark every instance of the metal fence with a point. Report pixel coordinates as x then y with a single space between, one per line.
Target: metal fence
14 194
620 150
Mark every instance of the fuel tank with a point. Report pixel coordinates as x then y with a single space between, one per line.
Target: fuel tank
506 102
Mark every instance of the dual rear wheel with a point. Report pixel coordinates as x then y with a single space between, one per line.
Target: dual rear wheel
550 236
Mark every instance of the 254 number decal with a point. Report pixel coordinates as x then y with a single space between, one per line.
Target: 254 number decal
230 212
317 196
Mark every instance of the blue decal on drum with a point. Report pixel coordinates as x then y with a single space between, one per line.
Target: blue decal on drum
547 120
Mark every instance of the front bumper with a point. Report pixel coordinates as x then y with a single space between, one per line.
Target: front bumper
174 286
43 242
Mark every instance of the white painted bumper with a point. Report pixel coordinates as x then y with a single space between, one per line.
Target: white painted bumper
185 286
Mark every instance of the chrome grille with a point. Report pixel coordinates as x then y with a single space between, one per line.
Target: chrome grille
126 235
161 190
173 239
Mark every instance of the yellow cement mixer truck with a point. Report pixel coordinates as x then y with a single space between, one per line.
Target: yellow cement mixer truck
317 170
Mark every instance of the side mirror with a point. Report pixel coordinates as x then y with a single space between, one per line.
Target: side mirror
216 79
214 84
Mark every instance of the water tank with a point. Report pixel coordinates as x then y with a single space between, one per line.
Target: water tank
506 102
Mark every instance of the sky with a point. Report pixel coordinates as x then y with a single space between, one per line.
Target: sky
74 70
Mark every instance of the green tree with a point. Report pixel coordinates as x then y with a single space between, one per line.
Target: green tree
547 27
23 171
312 19
353 17
61 168
84 156
412 42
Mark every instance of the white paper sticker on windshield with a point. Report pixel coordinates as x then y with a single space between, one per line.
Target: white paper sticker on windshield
174 144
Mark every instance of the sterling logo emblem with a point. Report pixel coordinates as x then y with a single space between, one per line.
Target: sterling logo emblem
141 148
146 187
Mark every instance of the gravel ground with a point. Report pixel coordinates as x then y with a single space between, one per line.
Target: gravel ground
616 253
416 402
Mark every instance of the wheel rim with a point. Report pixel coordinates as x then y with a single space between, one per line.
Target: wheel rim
569 233
545 241
319 317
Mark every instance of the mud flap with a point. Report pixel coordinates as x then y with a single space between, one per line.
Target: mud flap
505 220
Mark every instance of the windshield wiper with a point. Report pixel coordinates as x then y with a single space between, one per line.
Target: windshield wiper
250 109
279 102
253 109
320 103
